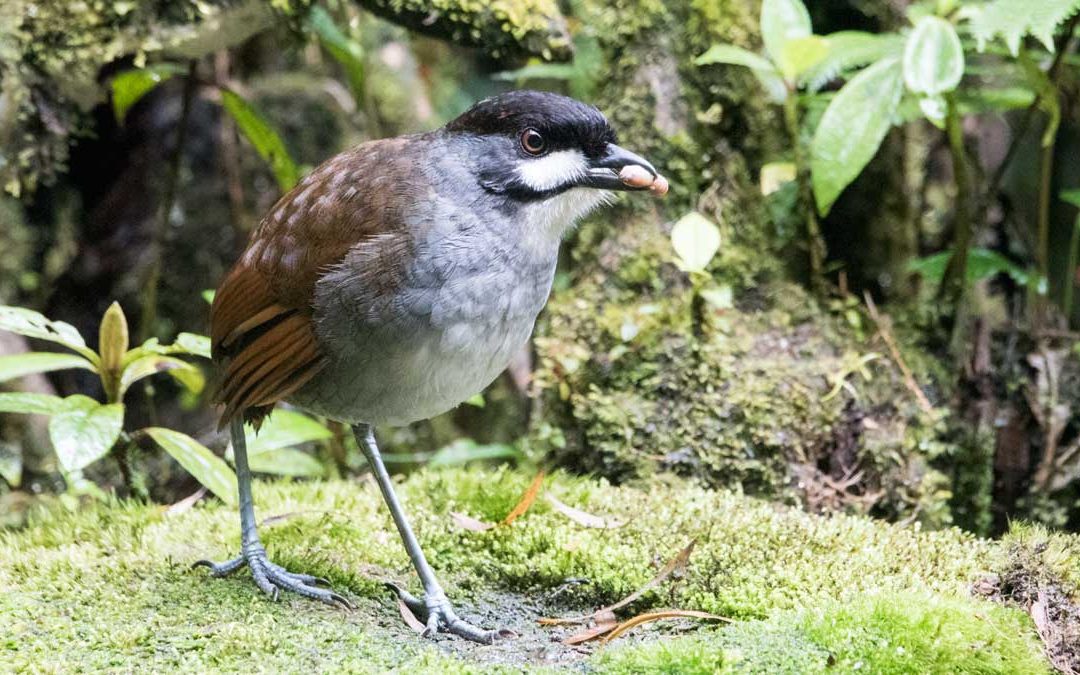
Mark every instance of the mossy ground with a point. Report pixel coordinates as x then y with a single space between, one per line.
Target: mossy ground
110 587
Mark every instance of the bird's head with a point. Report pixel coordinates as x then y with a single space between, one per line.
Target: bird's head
538 149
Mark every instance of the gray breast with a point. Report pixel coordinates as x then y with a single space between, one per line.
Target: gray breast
440 331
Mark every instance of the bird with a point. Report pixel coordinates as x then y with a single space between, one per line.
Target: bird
397 280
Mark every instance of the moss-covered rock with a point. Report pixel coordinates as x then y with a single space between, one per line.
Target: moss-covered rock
111 586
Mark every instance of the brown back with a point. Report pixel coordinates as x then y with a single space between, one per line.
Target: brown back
261 322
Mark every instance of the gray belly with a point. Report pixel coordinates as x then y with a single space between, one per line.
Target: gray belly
413 350
413 377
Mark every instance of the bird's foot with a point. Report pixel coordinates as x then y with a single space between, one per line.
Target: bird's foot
437 615
273 578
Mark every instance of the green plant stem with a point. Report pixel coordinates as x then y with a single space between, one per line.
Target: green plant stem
814 242
1042 253
1070 273
148 313
954 282
134 479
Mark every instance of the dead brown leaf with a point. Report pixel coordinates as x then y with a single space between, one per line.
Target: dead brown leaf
581 517
605 622
678 563
185 504
409 617
469 523
649 617
527 499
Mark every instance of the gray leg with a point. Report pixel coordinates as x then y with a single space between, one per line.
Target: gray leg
435 609
269 577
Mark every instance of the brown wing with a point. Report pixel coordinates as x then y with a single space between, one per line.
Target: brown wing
261 327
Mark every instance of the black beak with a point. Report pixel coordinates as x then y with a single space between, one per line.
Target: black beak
604 171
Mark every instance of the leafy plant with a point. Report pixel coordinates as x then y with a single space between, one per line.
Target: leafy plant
83 430
130 86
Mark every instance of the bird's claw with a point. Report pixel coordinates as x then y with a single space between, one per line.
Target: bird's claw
438 616
273 579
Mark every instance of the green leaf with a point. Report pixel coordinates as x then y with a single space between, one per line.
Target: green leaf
84 431
781 22
848 50
538 71
467 450
933 58
131 85
263 138
476 400
183 372
34 325
1071 197
29 403
18 365
284 428
113 338
208 295
696 240
981 264
205 466
340 46
733 56
852 128
286 462
1015 19
269 450
801 55
191 343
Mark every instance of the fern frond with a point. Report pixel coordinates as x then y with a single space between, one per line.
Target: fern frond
1013 20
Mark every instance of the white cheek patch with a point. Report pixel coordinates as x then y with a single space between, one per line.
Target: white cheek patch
552 170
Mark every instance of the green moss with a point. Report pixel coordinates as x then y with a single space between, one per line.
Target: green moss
500 27
887 633
636 379
111 585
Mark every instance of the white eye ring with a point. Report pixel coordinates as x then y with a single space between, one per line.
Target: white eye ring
532 142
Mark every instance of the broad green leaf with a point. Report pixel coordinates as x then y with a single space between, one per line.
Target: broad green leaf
263 138
131 85
733 56
205 466
696 240
538 71
340 46
282 429
1070 197
84 431
18 365
1015 19
286 462
34 325
781 22
801 55
191 343
933 58
183 372
852 128
113 338
467 450
848 50
981 264
29 403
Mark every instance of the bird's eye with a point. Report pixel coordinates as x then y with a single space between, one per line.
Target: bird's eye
532 142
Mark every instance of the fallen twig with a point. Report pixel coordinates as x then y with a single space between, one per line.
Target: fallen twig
898 358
